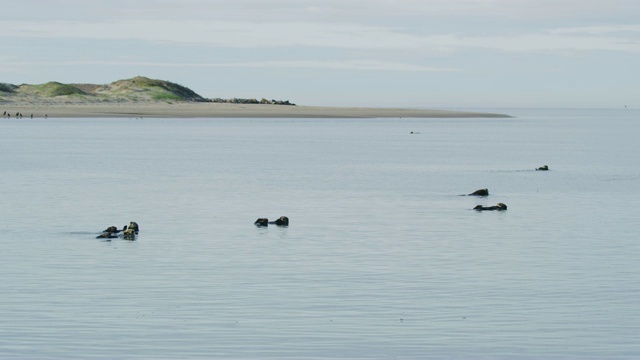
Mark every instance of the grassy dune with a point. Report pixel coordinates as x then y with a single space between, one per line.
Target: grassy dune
135 89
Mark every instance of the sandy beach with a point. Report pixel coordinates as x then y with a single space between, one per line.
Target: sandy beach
220 110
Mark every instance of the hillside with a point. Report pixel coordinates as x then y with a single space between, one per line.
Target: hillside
50 89
149 89
135 89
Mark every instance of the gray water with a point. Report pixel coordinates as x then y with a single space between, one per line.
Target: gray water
382 259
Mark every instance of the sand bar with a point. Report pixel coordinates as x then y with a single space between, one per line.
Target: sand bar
221 110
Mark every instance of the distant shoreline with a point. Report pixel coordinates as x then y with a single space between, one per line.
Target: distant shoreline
220 110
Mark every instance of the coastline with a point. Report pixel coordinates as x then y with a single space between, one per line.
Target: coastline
220 110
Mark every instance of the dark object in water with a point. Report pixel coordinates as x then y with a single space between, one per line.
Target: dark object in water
499 207
481 192
281 221
114 230
543 168
134 226
129 234
107 235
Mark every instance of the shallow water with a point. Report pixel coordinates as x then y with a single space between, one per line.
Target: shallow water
383 258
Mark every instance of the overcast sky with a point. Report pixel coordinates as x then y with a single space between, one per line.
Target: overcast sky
418 53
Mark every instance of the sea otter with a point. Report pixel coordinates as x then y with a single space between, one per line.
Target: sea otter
134 226
107 235
114 230
281 221
129 234
499 206
543 168
481 192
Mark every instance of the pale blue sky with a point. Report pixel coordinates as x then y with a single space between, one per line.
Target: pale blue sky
418 53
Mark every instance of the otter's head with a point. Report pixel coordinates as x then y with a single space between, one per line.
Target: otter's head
261 222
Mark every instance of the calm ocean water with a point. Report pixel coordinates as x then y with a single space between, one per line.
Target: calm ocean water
383 259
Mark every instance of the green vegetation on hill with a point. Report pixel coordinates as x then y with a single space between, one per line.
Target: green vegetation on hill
140 86
51 89
7 88
136 89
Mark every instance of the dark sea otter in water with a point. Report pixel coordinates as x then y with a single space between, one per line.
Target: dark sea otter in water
107 235
281 221
129 232
110 232
134 225
481 192
499 206
113 229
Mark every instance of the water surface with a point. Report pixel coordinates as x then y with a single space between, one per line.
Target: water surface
383 258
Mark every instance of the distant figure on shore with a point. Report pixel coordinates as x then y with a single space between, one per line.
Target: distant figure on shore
543 168
281 221
499 207
480 192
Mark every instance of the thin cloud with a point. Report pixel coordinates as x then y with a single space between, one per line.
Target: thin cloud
307 10
322 35
600 30
362 65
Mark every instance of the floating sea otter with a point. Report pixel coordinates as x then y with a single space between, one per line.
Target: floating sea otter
107 235
129 234
114 230
499 206
281 221
543 168
110 232
134 225
481 192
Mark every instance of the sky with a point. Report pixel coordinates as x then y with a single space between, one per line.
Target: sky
398 53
